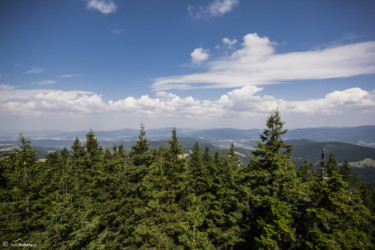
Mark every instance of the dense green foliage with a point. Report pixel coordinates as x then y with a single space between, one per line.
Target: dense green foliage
95 198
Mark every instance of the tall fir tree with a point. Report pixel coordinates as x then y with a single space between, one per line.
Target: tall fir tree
138 153
19 202
92 147
224 207
197 172
273 190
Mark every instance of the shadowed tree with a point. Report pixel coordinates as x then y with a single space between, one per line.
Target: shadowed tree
336 217
18 201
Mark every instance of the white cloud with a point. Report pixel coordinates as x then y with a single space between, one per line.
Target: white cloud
229 42
5 86
257 63
199 55
337 102
38 102
66 76
242 108
104 6
34 70
71 75
220 7
45 82
214 9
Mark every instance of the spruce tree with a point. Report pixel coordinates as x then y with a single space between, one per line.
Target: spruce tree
174 169
133 197
92 147
138 153
18 203
193 236
78 150
225 209
332 165
337 218
273 190
156 218
197 172
307 172
207 160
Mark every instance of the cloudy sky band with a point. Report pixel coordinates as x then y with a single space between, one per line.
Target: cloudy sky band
240 101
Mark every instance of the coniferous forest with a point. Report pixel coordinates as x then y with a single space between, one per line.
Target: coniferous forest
93 198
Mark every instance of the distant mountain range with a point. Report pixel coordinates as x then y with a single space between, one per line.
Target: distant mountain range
355 144
363 135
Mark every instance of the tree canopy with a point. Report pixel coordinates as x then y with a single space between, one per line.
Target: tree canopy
145 197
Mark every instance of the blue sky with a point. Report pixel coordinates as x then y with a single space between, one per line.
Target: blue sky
110 64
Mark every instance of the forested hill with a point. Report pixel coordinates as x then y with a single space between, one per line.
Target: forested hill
87 197
364 135
343 151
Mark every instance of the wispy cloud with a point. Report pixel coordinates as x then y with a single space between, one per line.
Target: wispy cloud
66 76
229 42
199 55
220 7
45 82
345 39
70 75
257 63
34 70
104 6
214 9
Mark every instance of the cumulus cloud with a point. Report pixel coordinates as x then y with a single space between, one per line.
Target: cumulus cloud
257 63
34 70
104 6
214 9
238 105
337 102
53 102
199 55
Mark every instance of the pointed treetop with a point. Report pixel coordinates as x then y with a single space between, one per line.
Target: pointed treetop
141 146
232 151
174 147
274 129
271 137
142 132
196 154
